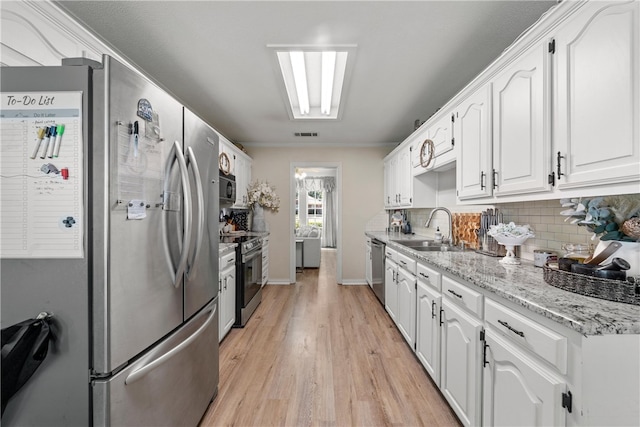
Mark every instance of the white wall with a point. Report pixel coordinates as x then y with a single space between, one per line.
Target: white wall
361 195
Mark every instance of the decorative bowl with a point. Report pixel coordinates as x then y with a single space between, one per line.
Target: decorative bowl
509 242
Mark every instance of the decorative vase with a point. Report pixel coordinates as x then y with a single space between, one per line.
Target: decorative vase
257 223
630 252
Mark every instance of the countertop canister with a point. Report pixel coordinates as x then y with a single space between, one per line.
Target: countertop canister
542 256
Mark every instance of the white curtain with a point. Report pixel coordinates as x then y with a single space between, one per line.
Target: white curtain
326 184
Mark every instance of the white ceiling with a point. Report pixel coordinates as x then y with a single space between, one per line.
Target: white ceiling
411 57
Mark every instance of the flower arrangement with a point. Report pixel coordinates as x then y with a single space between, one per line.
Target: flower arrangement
611 218
510 230
264 195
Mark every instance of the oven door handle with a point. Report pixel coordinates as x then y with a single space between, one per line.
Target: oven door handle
251 255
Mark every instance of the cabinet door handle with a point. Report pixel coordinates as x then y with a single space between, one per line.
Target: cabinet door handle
559 164
454 293
219 285
511 328
485 362
402 262
495 179
482 178
433 309
424 275
441 311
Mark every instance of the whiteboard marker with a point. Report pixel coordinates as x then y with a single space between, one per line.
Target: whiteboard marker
41 134
58 140
52 139
47 137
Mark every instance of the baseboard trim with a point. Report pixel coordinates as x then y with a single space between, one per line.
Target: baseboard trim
354 282
278 282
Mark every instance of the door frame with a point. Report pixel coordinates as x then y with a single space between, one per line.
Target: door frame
292 214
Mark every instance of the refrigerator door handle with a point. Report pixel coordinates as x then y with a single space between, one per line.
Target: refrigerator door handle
141 372
191 159
176 154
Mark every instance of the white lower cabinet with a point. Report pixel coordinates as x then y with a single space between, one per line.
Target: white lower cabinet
391 288
265 260
461 372
517 391
499 364
429 301
368 263
406 314
227 294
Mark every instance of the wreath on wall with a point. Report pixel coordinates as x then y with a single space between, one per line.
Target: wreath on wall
426 153
224 163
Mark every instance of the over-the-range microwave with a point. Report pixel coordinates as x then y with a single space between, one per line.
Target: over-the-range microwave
227 188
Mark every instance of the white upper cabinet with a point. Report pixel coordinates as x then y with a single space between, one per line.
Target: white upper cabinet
472 131
425 156
390 193
404 177
521 133
243 165
397 179
598 95
441 133
239 166
32 35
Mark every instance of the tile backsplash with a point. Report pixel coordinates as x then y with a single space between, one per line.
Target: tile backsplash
549 226
543 216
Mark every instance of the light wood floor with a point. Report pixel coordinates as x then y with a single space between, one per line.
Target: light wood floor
317 353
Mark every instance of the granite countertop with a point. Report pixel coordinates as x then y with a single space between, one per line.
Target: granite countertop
524 285
225 248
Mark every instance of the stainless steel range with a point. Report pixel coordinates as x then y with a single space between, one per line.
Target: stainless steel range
248 276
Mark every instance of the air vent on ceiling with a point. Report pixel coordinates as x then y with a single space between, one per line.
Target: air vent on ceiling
306 134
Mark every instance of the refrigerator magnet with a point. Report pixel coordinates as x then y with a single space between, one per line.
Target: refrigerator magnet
136 209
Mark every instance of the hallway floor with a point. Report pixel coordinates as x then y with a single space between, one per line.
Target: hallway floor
317 353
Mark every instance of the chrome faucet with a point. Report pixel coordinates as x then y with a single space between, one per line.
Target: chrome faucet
448 240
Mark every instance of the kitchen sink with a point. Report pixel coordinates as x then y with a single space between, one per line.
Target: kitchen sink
437 248
415 243
427 246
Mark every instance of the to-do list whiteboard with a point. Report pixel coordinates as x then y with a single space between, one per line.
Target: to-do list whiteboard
41 177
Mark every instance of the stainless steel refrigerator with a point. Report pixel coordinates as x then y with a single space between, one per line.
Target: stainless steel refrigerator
116 236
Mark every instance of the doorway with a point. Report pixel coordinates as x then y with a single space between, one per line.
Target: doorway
315 194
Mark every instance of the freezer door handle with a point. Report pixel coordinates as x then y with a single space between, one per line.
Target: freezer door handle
176 154
141 372
191 159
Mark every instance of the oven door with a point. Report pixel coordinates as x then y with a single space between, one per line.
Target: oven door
251 274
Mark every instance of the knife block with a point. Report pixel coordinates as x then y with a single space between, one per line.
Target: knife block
489 246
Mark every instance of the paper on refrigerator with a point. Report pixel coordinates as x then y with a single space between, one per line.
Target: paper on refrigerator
42 203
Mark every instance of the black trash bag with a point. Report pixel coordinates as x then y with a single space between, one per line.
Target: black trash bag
24 347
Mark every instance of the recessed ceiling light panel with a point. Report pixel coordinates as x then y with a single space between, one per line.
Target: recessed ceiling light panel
315 78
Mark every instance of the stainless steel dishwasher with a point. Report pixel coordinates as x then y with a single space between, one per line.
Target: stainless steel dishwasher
377 267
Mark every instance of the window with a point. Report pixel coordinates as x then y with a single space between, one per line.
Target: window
312 215
314 208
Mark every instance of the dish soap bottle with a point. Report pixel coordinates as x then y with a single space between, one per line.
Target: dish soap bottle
438 235
407 228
